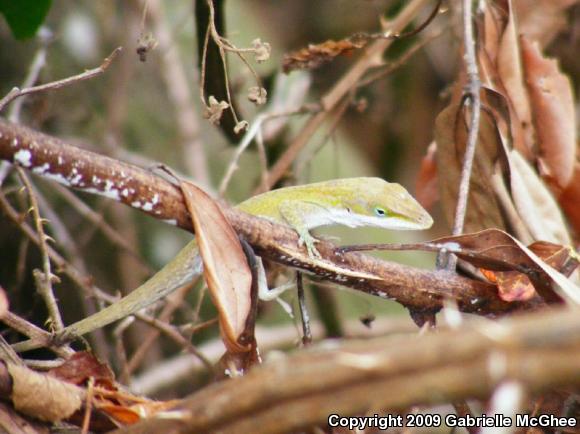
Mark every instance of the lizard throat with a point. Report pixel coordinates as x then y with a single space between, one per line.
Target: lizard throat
334 216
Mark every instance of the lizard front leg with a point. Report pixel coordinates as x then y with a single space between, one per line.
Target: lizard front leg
295 213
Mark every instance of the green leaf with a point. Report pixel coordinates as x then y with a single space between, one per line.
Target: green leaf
24 16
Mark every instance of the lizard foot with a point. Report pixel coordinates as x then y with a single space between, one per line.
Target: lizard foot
310 242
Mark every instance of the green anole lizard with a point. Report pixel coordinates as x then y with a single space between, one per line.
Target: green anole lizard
350 202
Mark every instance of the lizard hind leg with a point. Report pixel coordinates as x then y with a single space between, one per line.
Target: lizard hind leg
267 294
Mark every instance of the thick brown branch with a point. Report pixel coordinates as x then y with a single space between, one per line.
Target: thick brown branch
418 289
541 351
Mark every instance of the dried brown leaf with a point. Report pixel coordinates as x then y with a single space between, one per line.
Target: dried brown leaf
501 71
535 203
42 396
542 20
553 113
570 200
316 55
226 270
80 367
426 191
512 286
450 134
496 250
510 70
515 286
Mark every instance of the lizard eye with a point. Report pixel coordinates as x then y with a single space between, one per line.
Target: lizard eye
380 212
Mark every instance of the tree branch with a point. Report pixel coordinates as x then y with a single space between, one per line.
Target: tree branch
540 350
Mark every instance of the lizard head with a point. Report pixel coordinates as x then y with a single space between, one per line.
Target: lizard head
388 205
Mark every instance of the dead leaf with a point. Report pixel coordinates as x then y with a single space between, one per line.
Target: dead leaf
316 55
535 203
426 191
512 286
80 367
553 113
501 72
496 250
128 409
509 66
450 134
42 396
226 270
542 20
120 414
570 198
515 286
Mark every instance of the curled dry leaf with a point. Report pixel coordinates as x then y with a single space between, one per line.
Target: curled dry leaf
496 250
516 286
257 95
501 72
42 396
225 267
316 55
535 204
262 50
553 113
214 111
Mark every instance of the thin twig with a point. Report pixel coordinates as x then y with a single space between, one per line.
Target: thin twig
88 405
44 283
304 316
32 331
173 302
391 67
16 92
41 338
338 114
223 46
203 67
38 62
471 94
97 221
173 333
121 353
